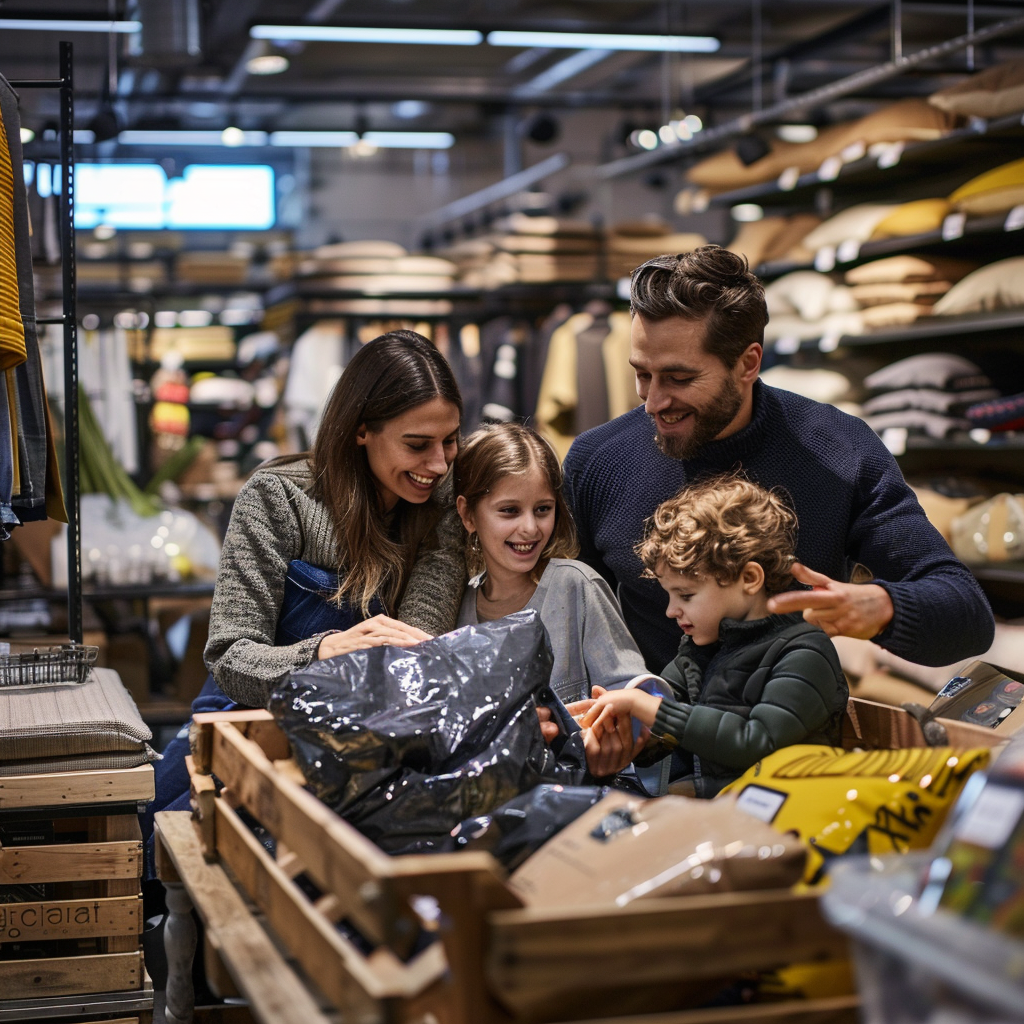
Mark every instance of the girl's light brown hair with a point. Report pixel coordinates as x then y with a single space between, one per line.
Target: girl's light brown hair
498 450
714 527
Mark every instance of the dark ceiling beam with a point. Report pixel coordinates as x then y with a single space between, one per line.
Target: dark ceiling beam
231 20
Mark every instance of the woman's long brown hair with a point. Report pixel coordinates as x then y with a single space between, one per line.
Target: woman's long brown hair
387 377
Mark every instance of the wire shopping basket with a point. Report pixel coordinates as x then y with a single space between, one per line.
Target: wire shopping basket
63 663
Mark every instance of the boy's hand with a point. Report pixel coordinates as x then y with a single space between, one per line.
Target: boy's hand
615 704
860 610
550 729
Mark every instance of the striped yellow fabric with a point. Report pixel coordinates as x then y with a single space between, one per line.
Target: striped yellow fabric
12 331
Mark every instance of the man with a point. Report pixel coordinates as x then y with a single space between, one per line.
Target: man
697 332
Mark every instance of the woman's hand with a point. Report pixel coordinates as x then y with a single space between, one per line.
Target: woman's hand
380 631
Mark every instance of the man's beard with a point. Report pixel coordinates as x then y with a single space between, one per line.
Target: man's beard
707 424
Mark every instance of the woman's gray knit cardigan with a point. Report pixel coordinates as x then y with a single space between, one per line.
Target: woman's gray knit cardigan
274 521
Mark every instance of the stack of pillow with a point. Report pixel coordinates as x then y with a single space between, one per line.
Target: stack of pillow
805 305
993 287
926 394
775 238
631 243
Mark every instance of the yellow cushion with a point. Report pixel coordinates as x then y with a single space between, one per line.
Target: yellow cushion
991 93
915 218
995 191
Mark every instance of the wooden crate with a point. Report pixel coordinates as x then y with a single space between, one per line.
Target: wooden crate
70 877
498 961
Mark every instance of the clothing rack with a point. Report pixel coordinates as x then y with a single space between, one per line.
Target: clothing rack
69 320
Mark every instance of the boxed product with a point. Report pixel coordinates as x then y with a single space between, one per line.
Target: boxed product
984 695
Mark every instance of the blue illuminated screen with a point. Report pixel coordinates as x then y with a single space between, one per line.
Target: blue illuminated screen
205 196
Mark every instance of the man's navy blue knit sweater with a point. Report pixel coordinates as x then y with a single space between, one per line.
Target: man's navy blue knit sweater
850 497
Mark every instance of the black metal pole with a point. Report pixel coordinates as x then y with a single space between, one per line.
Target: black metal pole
67 245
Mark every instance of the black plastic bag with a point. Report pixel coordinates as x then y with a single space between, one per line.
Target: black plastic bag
405 743
522 826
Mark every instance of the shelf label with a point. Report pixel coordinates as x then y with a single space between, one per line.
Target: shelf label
979 435
788 179
977 124
830 168
953 226
1014 219
825 259
890 156
848 251
895 439
854 151
787 346
992 817
829 342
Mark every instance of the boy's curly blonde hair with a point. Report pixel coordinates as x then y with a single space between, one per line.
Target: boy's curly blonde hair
714 527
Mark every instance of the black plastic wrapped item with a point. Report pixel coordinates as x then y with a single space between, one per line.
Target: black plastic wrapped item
406 742
522 826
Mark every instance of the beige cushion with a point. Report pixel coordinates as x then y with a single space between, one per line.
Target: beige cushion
998 285
795 229
793 326
856 222
923 292
753 239
523 224
821 385
381 284
906 268
990 532
655 245
804 292
647 227
345 250
941 510
64 720
894 314
914 218
994 92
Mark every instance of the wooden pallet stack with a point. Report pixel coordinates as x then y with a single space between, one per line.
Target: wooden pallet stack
70 896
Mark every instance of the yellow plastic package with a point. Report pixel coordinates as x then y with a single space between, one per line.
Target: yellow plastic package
873 801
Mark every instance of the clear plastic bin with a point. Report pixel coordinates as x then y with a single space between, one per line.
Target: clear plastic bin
915 965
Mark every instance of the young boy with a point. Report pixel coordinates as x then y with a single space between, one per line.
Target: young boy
744 682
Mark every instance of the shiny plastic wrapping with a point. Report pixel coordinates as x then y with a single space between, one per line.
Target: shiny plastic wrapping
405 743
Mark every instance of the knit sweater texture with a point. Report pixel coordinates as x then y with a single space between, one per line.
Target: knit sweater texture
853 505
275 519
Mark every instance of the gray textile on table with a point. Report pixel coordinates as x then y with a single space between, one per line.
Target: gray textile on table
65 720
81 763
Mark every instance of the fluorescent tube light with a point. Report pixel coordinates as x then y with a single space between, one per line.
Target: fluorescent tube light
66 25
606 41
340 34
187 138
410 140
337 140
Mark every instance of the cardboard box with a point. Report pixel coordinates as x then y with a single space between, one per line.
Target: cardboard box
984 695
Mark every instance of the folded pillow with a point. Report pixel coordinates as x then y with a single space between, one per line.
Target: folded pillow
941 510
793 326
918 421
942 370
914 218
754 238
931 400
923 292
994 92
355 250
804 292
995 286
995 191
894 314
904 268
856 222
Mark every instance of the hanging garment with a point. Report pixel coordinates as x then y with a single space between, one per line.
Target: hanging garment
536 354
12 332
8 517
591 384
502 342
25 378
618 373
318 357
556 403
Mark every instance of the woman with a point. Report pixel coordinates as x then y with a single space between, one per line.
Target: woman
324 548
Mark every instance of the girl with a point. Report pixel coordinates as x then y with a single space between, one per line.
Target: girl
521 541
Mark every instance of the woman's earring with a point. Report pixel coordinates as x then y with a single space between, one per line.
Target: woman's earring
474 541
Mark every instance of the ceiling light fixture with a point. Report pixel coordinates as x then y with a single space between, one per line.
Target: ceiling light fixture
27 135
314 140
382 140
133 137
341 34
267 64
69 25
797 132
606 41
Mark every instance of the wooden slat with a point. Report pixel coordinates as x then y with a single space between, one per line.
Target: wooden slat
874 725
656 940
119 785
73 975
274 992
71 919
837 1010
70 862
347 978
258 726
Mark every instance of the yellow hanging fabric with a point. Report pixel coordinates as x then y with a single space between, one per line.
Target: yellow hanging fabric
12 331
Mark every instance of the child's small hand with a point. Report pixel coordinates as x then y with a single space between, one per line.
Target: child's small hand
614 704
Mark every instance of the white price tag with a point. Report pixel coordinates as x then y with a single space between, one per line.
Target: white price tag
992 817
854 151
848 251
953 226
895 439
825 259
1014 219
829 342
760 802
830 168
787 346
788 179
890 156
979 435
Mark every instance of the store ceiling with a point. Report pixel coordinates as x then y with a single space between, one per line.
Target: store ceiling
463 88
